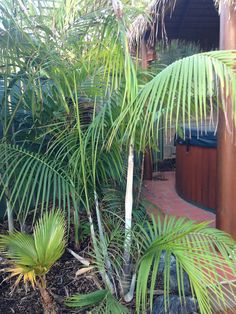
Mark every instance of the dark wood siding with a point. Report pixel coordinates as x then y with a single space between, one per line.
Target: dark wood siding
196 175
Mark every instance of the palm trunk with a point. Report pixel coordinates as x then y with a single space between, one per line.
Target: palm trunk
10 217
128 216
103 273
49 305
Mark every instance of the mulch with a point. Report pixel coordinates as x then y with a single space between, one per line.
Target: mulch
61 281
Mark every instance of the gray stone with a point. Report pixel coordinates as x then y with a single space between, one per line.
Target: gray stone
189 307
173 276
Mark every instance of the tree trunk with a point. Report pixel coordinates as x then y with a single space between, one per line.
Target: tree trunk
49 305
128 216
10 217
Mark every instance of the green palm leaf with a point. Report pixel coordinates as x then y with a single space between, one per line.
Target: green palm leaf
49 238
202 252
189 89
86 300
101 301
20 248
31 175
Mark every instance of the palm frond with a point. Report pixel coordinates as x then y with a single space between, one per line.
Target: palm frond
49 238
86 300
19 247
108 255
190 89
111 305
100 301
33 176
201 252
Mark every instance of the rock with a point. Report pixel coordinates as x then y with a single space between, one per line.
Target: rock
190 306
176 307
173 276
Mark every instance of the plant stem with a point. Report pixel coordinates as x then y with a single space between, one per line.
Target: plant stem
104 247
130 295
49 305
128 212
10 217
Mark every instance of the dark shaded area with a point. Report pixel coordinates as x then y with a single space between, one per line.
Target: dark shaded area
176 307
166 164
194 20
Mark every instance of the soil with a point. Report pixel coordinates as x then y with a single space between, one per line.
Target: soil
61 281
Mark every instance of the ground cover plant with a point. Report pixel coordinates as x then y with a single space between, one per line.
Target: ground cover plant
77 113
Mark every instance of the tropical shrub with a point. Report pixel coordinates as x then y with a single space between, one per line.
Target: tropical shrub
203 253
88 111
32 256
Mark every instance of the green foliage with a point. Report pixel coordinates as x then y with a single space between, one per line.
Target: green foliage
189 89
62 93
32 256
175 50
33 172
200 251
86 300
66 133
205 254
106 303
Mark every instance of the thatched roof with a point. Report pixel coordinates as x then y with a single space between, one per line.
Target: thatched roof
152 22
172 18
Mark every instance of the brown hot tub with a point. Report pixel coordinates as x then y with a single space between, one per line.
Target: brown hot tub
196 168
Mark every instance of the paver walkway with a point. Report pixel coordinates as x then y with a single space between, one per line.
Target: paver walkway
162 193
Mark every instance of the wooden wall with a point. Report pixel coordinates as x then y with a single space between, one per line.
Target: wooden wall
196 175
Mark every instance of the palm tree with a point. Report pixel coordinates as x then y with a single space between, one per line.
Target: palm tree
32 256
185 90
84 56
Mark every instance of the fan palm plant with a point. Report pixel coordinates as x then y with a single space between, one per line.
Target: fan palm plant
31 257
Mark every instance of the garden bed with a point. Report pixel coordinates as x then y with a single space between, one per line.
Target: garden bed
62 282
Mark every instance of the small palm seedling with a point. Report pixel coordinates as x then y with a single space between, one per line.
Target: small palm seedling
32 256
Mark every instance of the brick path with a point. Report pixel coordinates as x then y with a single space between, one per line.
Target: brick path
164 196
